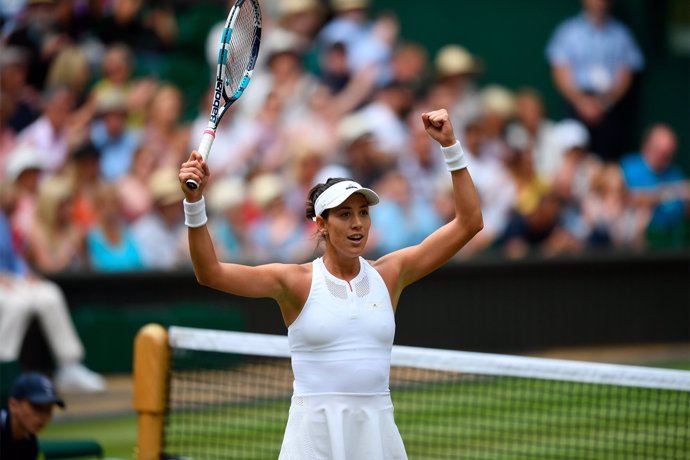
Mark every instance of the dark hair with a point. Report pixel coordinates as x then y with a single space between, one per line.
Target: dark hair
314 194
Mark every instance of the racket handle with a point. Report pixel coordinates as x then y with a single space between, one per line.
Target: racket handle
204 149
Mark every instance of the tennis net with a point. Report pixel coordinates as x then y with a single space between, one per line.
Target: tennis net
229 394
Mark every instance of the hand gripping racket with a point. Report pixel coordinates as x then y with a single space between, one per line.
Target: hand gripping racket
239 48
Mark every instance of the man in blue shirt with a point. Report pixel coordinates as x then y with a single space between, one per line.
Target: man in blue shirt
29 410
656 183
594 58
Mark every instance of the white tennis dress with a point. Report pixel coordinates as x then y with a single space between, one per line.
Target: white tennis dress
341 346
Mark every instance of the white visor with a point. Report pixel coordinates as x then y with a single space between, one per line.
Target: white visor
337 193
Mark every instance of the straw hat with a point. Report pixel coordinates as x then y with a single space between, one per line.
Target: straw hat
498 99
351 129
456 60
344 5
226 193
165 187
290 7
111 100
265 188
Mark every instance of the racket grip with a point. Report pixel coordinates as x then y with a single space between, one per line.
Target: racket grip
204 149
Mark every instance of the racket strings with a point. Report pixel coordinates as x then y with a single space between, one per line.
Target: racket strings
239 48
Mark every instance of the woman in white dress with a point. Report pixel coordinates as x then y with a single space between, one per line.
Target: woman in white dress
339 309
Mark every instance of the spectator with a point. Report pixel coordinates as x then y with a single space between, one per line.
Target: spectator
361 157
23 173
133 187
496 189
609 214
18 100
29 410
117 68
659 185
112 136
306 162
70 69
497 111
385 116
285 77
149 31
531 132
367 46
55 244
164 132
235 142
534 225
277 233
572 181
410 64
368 43
51 133
34 29
456 71
420 163
24 295
160 235
333 71
8 138
229 219
84 172
402 218
110 244
268 152
300 20
594 57
315 128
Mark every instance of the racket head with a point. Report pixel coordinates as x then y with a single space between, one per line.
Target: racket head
237 55
239 48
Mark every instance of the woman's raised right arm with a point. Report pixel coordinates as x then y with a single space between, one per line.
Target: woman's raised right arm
242 280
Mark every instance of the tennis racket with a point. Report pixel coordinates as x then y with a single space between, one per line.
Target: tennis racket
239 48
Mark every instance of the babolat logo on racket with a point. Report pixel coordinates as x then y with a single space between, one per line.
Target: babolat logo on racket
216 101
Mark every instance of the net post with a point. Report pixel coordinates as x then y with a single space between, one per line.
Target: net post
151 366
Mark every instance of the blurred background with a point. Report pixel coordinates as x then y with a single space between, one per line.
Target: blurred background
574 115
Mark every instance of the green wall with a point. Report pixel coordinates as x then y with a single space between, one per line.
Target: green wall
510 36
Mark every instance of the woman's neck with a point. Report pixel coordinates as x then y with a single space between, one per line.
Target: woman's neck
343 268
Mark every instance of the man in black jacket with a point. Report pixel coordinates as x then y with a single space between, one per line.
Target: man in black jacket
30 408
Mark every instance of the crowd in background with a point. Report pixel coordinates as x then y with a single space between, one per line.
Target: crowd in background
90 143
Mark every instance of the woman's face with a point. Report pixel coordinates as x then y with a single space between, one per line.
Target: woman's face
348 226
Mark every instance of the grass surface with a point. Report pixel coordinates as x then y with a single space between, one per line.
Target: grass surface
117 435
475 418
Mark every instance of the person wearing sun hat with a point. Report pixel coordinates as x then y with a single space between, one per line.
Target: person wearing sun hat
160 235
456 70
30 409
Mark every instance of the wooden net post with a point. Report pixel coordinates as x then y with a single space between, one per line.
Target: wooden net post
151 366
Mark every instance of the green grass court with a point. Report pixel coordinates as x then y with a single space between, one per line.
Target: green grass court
479 418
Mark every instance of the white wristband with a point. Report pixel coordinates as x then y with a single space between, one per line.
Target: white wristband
195 213
455 157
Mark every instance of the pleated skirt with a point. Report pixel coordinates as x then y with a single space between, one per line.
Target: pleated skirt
342 427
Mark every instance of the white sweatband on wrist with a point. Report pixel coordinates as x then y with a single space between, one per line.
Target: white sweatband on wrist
455 157
195 213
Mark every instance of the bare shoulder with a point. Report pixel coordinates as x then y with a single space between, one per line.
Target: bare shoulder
388 267
295 278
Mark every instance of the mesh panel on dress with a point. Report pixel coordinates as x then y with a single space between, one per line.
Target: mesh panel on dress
336 290
362 287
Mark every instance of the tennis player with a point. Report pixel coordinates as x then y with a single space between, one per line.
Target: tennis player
339 309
